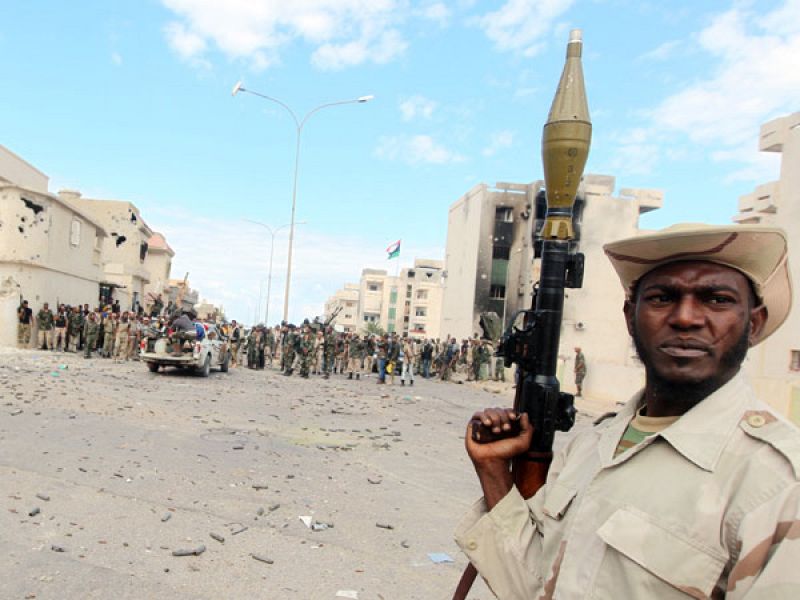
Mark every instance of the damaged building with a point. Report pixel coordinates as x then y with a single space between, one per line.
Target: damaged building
50 250
125 248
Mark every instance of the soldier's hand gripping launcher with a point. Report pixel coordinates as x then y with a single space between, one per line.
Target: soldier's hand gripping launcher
533 346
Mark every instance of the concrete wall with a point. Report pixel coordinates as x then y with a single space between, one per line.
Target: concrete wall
778 203
49 251
123 263
13 169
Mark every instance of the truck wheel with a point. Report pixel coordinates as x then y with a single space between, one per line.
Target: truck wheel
153 367
206 370
225 363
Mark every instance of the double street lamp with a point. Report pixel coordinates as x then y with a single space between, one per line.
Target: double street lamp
272 233
299 124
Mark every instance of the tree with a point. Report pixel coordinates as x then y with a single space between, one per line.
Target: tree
373 328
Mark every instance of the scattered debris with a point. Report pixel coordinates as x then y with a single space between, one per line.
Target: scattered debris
384 525
262 558
57 548
34 511
189 551
347 594
44 497
217 537
439 557
166 517
259 486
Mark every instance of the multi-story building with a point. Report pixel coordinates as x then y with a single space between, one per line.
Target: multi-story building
406 303
488 255
50 250
124 250
158 264
345 301
490 268
774 365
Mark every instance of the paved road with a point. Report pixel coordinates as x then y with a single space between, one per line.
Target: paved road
131 466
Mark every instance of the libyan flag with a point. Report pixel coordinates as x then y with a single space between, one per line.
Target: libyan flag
393 250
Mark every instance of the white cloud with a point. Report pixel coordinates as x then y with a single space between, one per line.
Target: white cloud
415 150
498 141
755 79
437 12
662 52
417 106
116 58
342 33
520 25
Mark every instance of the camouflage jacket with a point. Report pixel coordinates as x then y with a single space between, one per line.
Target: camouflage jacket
75 323
91 328
708 507
45 319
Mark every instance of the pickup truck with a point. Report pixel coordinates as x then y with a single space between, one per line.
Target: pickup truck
185 351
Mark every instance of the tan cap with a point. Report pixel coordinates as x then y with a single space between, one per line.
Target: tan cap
759 253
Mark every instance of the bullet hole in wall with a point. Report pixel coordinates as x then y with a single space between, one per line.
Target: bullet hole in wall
120 240
133 217
36 208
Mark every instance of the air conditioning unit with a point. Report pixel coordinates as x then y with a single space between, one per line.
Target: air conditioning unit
580 325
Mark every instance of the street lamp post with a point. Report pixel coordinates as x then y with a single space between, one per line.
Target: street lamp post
299 124
272 234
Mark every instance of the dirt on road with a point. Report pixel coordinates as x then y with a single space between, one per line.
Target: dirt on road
121 483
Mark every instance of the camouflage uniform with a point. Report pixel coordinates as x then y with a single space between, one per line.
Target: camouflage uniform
708 507
121 347
109 328
305 350
91 331
252 349
356 354
44 321
289 352
75 327
328 350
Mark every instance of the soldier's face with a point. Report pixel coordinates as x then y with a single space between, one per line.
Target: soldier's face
692 323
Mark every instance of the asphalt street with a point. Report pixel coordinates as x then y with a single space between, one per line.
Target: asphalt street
120 483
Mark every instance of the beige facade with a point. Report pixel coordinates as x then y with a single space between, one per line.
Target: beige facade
774 366
50 250
124 250
490 268
180 289
207 311
409 303
345 299
158 264
488 255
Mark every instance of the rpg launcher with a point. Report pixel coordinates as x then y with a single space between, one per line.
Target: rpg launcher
531 341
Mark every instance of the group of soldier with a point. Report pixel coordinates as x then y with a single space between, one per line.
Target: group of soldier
312 348
109 331
316 349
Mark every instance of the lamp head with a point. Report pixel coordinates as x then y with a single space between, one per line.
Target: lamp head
237 88
363 99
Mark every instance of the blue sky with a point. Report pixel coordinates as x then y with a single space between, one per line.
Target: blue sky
131 100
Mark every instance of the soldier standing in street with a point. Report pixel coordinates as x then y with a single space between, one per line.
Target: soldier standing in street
91 331
306 349
409 358
328 351
236 340
289 351
44 322
109 330
122 338
75 328
60 324
580 370
24 319
356 354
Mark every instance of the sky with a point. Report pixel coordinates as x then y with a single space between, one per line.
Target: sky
132 101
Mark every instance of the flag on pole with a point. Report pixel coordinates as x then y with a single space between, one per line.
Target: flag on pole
393 250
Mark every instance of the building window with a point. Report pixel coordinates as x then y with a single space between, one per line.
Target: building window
501 252
418 328
368 318
142 251
497 291
408 291
75 233
504 214
422 294
411 274
373 287
393 296
420 312
794 360
392 314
